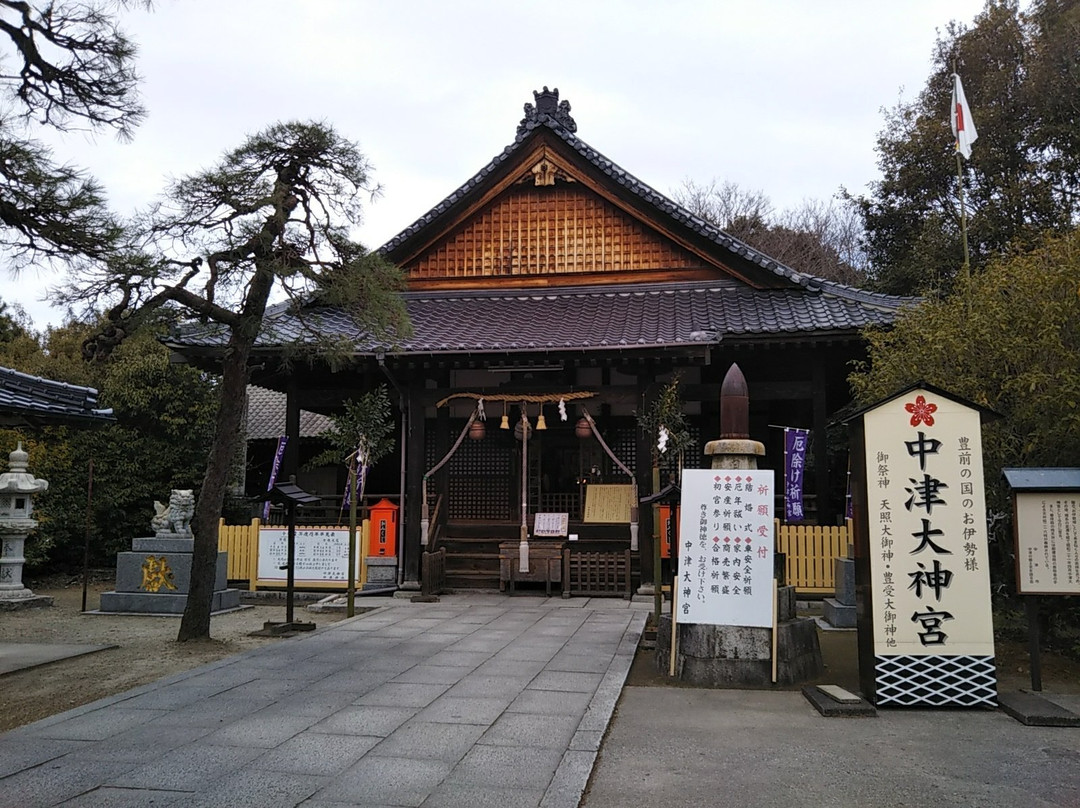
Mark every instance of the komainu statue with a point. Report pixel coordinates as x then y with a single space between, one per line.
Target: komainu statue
176 516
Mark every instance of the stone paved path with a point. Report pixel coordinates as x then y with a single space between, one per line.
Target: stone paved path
478 700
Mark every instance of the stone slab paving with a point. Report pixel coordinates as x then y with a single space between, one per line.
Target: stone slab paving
476 700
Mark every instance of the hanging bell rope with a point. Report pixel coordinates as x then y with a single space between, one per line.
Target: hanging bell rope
425 520
538 398
633 480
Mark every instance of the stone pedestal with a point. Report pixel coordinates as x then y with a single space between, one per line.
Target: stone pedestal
741 656
840 610
155 578
381 572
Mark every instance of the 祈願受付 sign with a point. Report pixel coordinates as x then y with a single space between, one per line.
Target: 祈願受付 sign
725 552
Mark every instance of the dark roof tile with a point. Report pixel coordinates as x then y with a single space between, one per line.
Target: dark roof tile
26 399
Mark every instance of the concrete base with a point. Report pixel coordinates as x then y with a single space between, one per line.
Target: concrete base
150 603
839 615
831 707
130 572
1033 710
740 656
30 601
157 579
381 572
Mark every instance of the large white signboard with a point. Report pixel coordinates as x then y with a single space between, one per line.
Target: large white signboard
322 555
725 554
927 525
1048 543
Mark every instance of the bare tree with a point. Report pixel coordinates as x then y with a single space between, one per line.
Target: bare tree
63 65
818 238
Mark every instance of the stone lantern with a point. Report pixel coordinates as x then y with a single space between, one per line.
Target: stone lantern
17 490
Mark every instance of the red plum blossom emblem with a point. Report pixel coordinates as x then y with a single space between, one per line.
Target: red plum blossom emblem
922 411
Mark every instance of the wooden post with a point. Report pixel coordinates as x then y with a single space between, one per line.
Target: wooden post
1031 606
775 628
674 626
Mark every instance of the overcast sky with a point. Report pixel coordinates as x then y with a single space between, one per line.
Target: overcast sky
782 96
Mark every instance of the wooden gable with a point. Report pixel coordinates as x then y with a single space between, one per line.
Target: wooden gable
561 232
550 219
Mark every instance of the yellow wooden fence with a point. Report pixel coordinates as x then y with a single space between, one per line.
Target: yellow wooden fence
241 542
810 551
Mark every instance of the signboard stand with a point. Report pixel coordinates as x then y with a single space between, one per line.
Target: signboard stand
1046 533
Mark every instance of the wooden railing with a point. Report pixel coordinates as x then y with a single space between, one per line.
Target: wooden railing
810 551
599 574
433 575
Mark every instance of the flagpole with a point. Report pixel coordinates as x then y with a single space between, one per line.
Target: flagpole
965 273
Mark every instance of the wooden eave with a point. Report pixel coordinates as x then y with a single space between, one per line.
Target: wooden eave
545 144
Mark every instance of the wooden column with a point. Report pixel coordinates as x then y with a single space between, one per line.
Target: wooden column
290 465
826 514
643 446
443 438
414 473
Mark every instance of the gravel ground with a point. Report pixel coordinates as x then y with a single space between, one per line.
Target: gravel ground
146 648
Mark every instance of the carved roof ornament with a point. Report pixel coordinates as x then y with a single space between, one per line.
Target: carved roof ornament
547 108
544 172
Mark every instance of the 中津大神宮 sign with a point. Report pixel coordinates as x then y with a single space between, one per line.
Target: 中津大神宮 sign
928 587
725 552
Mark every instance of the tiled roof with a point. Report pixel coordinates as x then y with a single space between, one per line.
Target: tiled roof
625 316
31 400
556 122
631 316
266 416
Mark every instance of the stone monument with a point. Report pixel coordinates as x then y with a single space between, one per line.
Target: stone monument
740 656
155 577
17 490
840 610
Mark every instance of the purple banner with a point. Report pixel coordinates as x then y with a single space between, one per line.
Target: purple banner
274 469
347 499
795 441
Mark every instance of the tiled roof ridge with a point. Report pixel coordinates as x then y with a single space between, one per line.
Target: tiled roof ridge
63 392
554 121
830 288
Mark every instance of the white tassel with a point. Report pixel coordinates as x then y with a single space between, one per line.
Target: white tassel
662 443
562 410
480 410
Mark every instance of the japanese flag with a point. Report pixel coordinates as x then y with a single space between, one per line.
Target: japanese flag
963 127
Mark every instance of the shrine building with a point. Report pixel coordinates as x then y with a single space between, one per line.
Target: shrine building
565 294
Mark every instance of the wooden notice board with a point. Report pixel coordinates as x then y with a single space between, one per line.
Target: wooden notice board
609 503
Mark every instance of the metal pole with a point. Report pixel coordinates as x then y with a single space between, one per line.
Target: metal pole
291 555
350 598
86 542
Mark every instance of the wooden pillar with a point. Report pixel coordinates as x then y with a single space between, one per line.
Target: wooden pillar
825 512
414 473
443 438
290 465
643 451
